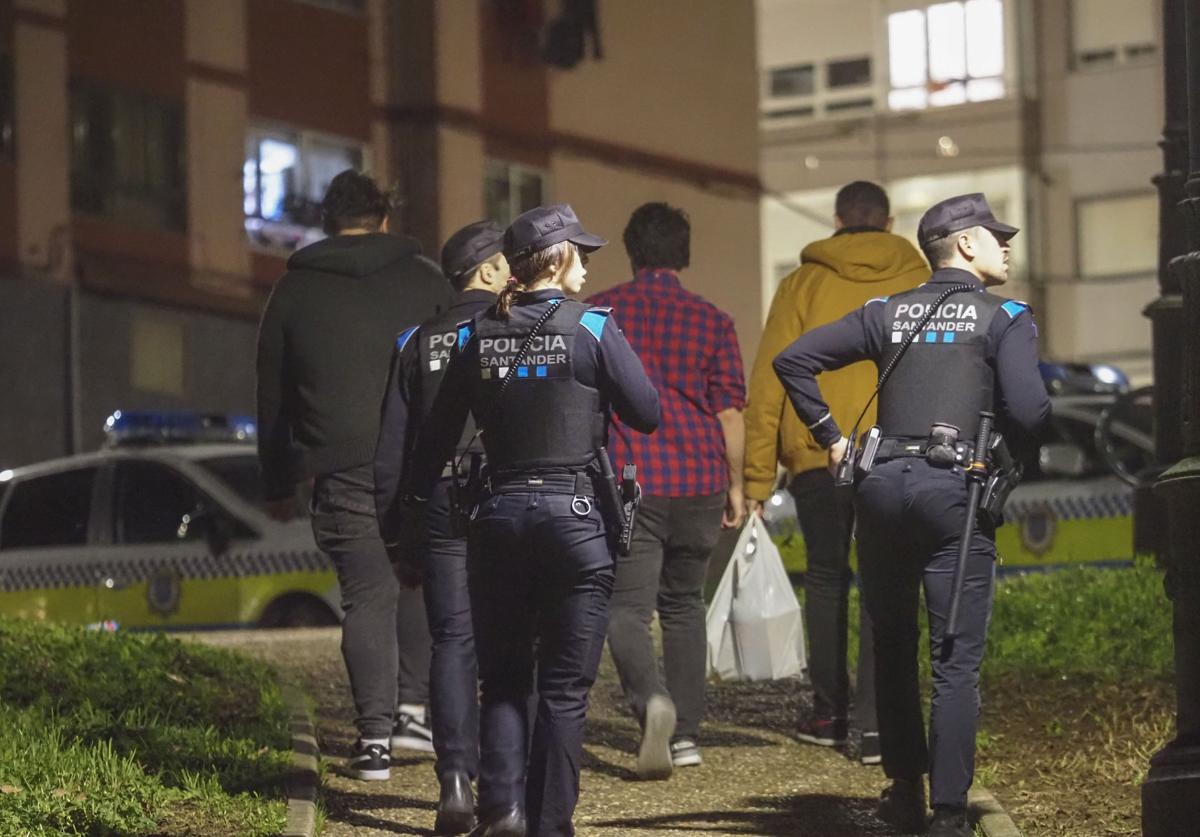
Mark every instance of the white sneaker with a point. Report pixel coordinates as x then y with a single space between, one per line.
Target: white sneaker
654 756
410 734
685 752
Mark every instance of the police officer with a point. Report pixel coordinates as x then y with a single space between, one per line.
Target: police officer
472 261
978 352
541 553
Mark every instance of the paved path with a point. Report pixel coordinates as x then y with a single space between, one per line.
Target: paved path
754 780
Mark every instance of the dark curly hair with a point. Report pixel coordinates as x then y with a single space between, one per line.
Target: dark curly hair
353 200
658 235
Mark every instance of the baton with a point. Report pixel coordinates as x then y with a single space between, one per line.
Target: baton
976 477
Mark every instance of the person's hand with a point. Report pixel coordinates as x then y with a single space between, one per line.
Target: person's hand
837 452
282 509
735 508
754 507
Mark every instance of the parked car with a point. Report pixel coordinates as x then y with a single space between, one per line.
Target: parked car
163 528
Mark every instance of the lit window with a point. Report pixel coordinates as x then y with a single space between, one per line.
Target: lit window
946 54
510 189
283 180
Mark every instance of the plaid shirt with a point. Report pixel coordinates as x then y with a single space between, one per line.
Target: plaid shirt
690 351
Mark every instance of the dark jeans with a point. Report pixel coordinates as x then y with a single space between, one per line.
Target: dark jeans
385 638
454 675
665 571
826 518
910 522
541 577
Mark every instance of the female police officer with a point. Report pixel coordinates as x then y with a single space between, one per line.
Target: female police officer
541 565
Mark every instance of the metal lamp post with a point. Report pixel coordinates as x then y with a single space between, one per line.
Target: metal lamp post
1171 792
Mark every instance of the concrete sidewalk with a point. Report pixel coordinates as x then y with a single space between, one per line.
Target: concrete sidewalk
755 779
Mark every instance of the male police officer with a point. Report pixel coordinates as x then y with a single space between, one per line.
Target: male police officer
472 261
978 352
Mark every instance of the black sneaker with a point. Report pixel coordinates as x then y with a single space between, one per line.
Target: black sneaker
868 748
370 762
950 822
826 732
410 734
902 805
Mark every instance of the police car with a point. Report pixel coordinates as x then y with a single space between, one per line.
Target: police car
1075 502
163 528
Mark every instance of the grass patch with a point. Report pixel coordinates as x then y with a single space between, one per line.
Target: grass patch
136 734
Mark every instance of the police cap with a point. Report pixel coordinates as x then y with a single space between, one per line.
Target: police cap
544 227
470 247
960 213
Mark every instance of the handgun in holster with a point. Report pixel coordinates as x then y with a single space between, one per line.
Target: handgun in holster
1004 474
464 494
612 503
631 501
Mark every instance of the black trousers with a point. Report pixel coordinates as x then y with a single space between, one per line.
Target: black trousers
665 571
454 674
910 523
541 576
385 638
826 518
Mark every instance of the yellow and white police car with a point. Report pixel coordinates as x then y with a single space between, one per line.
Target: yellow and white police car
162 529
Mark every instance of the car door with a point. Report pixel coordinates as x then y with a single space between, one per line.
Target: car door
165 564
49 565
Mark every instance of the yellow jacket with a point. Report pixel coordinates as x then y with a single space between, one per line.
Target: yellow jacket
836 275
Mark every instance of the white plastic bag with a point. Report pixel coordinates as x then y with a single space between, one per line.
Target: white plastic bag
755 631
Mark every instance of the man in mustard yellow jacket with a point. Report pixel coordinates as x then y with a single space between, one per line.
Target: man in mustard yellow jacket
861 261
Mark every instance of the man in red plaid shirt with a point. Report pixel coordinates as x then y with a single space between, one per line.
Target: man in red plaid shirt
691 476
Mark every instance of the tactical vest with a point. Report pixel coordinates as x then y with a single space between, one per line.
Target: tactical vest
944 376
546 418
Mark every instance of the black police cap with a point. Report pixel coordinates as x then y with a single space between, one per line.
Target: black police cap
470 247
960 213
544 227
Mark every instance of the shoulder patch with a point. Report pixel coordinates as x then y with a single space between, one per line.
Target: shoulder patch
594 319
466 330
876 299
1014 307
404 337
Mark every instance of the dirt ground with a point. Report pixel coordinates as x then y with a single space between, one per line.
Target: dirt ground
754 780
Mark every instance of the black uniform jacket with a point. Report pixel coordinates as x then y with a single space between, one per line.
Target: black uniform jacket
404 405
1021 398
606 363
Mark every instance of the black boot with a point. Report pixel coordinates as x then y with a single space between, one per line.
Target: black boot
504 822
456 805
949 821
902 805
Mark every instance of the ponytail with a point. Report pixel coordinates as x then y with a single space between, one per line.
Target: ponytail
531 269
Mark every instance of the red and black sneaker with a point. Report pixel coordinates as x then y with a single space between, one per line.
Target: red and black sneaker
826 732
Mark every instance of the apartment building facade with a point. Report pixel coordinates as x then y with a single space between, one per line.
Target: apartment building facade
1051 107
159 159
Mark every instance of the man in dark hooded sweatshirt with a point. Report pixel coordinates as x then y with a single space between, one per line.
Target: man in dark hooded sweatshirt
323 351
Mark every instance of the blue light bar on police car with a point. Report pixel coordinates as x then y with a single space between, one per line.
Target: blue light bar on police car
131 427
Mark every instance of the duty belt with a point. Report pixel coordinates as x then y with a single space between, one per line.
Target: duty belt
579 484
894 447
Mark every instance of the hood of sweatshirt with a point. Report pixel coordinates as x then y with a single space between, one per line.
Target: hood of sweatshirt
865 256
354 255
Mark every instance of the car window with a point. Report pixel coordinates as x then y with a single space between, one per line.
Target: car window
51 510
153 501
241 473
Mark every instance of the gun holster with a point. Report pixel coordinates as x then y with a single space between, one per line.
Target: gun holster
618 502
464 496
1004 474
